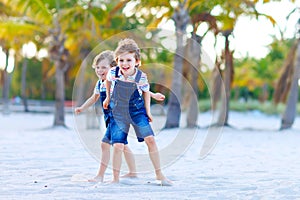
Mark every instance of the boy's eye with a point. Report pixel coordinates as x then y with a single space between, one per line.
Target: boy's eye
128 60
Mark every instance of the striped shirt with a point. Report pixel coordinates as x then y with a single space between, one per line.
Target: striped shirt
100 87
142 85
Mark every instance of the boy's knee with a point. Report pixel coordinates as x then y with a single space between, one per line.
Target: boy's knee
105 146
150 140
118 147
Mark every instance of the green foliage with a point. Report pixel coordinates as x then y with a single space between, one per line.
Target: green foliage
267 107
33 79
196 7
204 105
164 56
85 23
254 74
35 9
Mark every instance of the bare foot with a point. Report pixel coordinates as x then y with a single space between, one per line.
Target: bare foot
129 175
96 179
163 181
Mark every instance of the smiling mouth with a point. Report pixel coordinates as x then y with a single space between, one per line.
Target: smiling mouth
125 68
101 75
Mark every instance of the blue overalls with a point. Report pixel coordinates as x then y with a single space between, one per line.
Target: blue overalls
128 108
106 112
107 117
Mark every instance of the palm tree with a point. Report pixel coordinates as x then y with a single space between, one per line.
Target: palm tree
231 11
26 55
61 24
181 19
227 78
287 86
199 14
194 52
180 14
289 115
7 42
40 15
23 85
6 85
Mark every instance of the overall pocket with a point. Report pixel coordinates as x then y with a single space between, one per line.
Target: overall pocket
139 103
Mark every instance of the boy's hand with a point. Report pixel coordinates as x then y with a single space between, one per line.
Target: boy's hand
78 110
106 103
158 96
150 117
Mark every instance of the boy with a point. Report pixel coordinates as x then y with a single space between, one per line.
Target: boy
126 85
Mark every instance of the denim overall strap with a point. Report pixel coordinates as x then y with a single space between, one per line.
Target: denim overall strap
106 112
135 94
117 72
138 76
102 97
99 84
102 93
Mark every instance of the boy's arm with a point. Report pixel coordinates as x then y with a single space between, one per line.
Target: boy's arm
90 101
157 96
146 96
107 99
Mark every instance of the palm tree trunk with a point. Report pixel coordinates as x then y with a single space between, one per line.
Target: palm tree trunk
45 67
174 111
265 93
79 93
228 72
23 86
289 115
181 19
194 57
59 119
217 85
6 86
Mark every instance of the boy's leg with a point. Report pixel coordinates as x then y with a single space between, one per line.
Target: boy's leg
143 130
119 130
129 157
117 161
105 147
154 156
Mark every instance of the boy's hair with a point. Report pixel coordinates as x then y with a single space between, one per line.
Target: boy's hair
109 55
128 45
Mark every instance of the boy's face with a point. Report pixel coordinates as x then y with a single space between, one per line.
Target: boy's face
102 68
127 63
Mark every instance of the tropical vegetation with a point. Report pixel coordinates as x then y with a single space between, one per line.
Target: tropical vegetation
72 32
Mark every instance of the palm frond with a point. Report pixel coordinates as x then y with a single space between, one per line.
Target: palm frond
9 30
36 10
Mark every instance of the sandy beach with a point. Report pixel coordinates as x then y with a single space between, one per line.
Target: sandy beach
251 160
